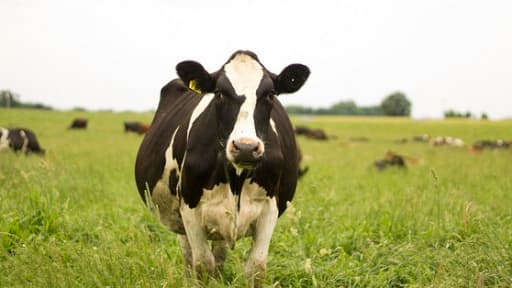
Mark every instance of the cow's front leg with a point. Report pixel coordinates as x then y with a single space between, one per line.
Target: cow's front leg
256 266
187 253
203 260
219 249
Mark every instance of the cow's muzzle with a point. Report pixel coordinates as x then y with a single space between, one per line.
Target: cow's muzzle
245 152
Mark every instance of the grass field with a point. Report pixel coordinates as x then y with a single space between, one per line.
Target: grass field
74 217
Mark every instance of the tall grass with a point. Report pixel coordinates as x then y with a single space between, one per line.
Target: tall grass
74 217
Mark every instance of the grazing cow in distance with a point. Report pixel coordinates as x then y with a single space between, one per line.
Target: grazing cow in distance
20 140
137 127
316 134
421 138
393 159
490 144
78 123
220 160
447 141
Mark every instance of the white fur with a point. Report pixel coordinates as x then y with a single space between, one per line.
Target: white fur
4 142
245 75
273 125
25 141
198 110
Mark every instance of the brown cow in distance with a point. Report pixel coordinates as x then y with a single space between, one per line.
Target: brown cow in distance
137 127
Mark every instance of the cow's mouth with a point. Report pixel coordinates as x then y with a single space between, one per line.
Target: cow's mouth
249 165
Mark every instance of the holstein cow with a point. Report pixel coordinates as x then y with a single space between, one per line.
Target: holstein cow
220 160
20 140
78 123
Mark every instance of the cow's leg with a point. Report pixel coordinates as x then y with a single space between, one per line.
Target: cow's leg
219 249
187 253
203 260
256 265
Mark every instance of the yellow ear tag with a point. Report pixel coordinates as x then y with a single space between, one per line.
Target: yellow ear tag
193 86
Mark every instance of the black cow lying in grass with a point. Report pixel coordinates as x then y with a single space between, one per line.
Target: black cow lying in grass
316 134
19 140
78 123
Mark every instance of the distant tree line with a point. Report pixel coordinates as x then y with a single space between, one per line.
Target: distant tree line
455 114
9 99
396 104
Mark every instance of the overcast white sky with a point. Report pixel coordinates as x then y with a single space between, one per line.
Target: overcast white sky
101 54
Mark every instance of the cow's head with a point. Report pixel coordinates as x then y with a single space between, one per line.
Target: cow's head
244 95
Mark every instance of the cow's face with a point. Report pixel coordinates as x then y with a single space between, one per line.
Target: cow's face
244 95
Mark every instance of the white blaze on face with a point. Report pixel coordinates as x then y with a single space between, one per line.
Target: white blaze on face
245 75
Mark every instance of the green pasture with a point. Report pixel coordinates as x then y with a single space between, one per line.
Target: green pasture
73 218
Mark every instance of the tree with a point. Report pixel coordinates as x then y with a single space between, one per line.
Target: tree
344 108
455 114
396 104
9 99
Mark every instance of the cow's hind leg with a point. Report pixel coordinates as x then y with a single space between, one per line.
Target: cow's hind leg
256 266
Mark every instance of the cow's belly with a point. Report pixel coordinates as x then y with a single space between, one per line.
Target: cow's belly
168 207
219 217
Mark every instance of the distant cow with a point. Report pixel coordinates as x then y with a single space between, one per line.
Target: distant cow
491 144
220 160
447 141
421 138
391 159
137 127
78 123
20 140
316 134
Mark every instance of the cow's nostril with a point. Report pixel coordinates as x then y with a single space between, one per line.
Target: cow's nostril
234 147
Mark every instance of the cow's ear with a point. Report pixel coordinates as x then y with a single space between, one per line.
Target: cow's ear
291 78
195 77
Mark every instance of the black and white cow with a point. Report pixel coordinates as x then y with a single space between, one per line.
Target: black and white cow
220 160
20 140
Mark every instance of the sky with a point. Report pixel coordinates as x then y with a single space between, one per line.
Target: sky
100 54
